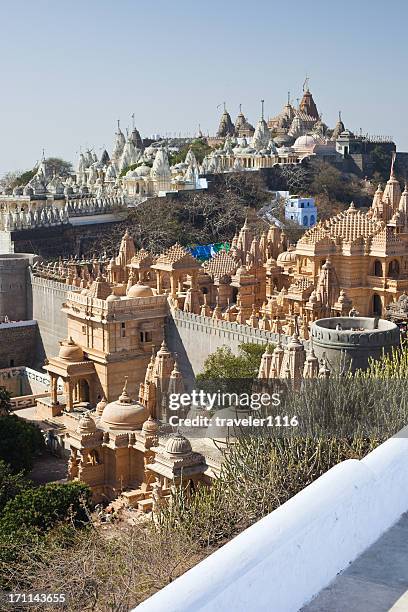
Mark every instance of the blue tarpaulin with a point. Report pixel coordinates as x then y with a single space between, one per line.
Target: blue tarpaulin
207 251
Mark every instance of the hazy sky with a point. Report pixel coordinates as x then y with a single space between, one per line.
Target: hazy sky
70 69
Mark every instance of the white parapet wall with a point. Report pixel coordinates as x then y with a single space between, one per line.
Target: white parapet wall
281 562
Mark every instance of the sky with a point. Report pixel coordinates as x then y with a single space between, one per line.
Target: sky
69 70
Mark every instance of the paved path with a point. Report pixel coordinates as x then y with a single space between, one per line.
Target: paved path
377 581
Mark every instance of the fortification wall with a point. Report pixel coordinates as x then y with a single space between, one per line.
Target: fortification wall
13 286
193 337
48 297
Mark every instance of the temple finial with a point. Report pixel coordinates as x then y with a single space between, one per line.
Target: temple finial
392 174
262 109
306 84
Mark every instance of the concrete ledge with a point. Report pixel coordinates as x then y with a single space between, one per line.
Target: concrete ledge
289 556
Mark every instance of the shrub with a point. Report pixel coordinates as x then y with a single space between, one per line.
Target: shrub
42 507
20 441
5 403
10 484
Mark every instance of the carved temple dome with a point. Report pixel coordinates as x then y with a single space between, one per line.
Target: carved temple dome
86 424
70 351
287 257
177 444
124 413
100 406
139 290
150 427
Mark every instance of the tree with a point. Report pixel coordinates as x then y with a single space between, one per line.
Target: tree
199 147
58 166
20 441
18 178
296 178
223 364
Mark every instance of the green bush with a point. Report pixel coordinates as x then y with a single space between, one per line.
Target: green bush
43 507
20 441
5 403
10 484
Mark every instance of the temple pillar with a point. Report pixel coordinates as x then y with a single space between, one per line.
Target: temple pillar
173 285
159 282
53 389
70 401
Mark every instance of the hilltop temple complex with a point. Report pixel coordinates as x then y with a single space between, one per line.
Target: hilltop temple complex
137 169
355 260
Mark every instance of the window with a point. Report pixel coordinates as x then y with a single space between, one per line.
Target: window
377 268
84 329
393 269
11 363
123 330
145 336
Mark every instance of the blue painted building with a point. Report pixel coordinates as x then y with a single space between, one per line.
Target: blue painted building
301 210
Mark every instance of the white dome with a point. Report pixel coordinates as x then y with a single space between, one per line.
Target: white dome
304 142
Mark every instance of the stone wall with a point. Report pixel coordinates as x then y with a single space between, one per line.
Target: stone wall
18 344
14 280
62 240
48 297
193 337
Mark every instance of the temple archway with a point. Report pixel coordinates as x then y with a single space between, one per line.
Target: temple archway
83 390
377 305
